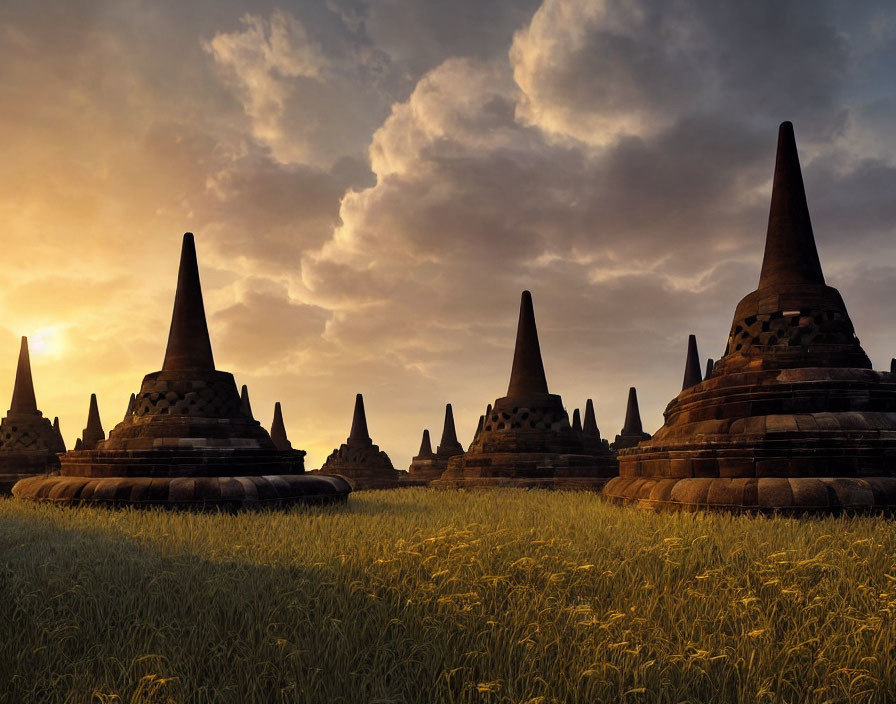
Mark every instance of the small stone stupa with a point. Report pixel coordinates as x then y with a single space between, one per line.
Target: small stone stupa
792 418
358 460
278 429
632 431
527 440
186 441
94 432
429 465
594 444
29 443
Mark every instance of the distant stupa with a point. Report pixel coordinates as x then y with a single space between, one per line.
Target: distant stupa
28 441
429 465
527 439
186 441
278 429
792 418
358 460
94 432
632 431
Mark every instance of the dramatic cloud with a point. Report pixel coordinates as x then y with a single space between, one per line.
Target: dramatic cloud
373 184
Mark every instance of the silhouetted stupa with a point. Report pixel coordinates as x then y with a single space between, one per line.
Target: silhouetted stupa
186 441
94 432
792 417
425 464
359 460
632 431
28 441
429 465
278 430
527 439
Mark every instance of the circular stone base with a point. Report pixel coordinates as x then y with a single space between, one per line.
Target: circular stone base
556 483
184 492
793 495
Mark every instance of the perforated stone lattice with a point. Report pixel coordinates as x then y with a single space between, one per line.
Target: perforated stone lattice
187 398
522 419
17 436
792 328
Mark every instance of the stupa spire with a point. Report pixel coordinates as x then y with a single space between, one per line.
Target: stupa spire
94 432
632 424
23 400
278 429
359 431
589 423
790 253
576 421
692 375
131 404
189 347
60 442
709 365
425 446
449 434
527 376
245 406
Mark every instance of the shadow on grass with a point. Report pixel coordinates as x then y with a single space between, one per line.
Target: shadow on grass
88 616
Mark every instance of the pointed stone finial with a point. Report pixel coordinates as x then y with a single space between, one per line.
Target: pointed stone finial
790 253
632 424
60 441
576 421
692 365
245 406
94 432
189 347
527 376
488 412
278 429
893 366
449 445
131 406
425 447
23 392
589 423
479 427
359 431
78 445
709 365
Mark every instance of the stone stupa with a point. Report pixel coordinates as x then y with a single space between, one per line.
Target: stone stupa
93 433
185 441
527 439
358 460
428 465
792 418
29 442
632 431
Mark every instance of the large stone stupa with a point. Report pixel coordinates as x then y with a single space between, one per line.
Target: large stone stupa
358 460
792 418
185 440
29 442
526 439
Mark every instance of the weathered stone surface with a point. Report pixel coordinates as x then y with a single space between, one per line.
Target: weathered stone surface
29 443
526 438
186 440
792 419
358 460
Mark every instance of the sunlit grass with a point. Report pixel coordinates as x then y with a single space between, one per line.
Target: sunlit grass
424 596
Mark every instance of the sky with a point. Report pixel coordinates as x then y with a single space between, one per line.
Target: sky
372 183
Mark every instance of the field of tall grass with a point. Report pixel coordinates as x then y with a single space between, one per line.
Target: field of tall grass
423 596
